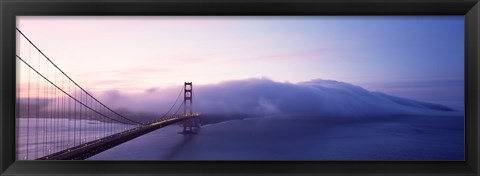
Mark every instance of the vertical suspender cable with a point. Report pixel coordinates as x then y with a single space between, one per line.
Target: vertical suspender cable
96 123
75 118
112 130
55 142
63 115
28 105
104 124
84 119
18 107
38 108
69 117
87 124
109 125
92 130
80 116
84 129
45 111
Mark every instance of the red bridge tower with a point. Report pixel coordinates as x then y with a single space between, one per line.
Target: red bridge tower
193 123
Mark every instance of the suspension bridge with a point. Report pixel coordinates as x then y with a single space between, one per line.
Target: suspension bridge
57 119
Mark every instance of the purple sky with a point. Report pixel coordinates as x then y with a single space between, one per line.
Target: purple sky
415 57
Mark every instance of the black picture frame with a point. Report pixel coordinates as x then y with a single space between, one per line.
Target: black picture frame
11 8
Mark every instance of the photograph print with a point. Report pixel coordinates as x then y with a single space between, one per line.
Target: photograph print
284 88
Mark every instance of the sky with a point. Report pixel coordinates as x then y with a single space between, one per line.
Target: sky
419 57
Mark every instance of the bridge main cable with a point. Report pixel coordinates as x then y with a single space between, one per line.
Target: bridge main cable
66 92
173 104
135 122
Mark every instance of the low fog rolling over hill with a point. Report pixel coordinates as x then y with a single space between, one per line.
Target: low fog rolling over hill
261 96
314 120
257 97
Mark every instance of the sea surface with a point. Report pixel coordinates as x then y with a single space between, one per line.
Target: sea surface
46 135
275 137
303 138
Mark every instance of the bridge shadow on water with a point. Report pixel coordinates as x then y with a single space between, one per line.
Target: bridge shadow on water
186 138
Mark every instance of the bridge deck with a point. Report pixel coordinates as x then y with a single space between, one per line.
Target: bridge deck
86 150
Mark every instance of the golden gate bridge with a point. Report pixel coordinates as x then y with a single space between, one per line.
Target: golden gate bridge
55 114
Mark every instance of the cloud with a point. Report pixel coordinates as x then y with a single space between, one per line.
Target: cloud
315 97
447 91
326 98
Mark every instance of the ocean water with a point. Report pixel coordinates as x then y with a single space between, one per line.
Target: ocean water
295 137
47 136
